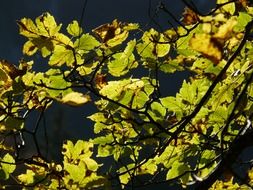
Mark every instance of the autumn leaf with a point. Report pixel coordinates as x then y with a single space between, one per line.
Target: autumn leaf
189 16
114 33
76 99
207 46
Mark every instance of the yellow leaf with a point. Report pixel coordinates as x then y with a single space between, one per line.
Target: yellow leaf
74 29
27 178
27 28
76 99
226 29
207 46
29 48
114 33
230 7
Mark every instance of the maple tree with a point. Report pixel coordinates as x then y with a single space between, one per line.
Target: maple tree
193 139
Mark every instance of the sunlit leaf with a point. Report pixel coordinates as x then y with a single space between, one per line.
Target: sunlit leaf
46 25
207 46
242 21
153 45
177 169
61 56
74 29
27 178
124 61
7 165
86 43
76 99
230 7
76 172
29 48
114 33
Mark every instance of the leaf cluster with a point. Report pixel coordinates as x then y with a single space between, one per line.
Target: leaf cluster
183 139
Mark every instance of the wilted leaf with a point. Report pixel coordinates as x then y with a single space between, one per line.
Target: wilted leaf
114 33
189 16
29 48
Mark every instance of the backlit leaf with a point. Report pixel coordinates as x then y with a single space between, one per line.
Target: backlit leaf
230 7
242 21
27 178
76 99
114 33
124 61
61 56
86 43
153 45
207 46
29 48
74 29
9 166
177 169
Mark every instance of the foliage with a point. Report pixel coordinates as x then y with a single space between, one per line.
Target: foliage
184 139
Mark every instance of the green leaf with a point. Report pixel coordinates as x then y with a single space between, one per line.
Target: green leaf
80 149
9 166
103 140
170 66
139 100
125 178
46 25
183 43
12 123
76 172
153 45
124 61
61 55
91 164
74 29
105 150
86 43
242 20
157 111
114 88
178 169
149 167
172 104
193 92
27 178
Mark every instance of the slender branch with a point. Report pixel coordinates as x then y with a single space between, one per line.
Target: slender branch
211 88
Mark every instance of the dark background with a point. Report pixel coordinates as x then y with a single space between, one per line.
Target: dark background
63 122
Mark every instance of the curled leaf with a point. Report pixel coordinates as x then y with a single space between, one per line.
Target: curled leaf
113 34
